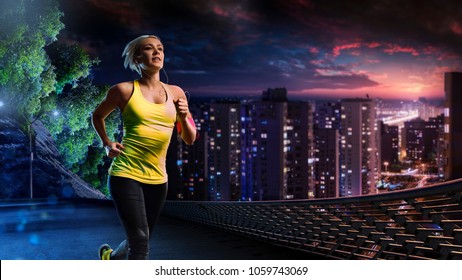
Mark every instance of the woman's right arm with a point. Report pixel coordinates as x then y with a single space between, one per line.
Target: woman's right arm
112 100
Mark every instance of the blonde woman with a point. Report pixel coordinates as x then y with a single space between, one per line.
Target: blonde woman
137 176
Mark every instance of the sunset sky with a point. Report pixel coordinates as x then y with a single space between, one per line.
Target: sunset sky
384 48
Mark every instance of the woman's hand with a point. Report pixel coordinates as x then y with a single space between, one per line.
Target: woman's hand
187 127
113 149
182 108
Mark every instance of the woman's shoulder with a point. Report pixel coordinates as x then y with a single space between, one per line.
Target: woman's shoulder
122 88
176 91
121 92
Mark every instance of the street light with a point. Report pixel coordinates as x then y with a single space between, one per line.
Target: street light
31 190
31 145
386 166
29 128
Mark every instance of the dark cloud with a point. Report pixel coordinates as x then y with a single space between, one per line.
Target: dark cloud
231 46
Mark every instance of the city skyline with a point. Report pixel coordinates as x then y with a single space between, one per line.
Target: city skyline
274 148
335 49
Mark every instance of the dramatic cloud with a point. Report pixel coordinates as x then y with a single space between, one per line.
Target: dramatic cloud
344 48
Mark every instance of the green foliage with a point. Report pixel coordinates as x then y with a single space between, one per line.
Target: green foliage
72 130
73 63
48 78
26 27
47 81
94 169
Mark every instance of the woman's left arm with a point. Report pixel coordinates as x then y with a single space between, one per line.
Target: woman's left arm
188 128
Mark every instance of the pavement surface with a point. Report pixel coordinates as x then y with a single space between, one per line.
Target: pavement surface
73 230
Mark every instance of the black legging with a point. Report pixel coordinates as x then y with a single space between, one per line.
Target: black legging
138 206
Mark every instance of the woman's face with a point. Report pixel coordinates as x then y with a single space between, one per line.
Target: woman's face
151 54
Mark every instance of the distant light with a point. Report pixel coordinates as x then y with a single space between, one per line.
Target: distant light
1 104
34 239
55 113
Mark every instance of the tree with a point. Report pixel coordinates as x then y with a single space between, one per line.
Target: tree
39 76
26 74
72 130
71 63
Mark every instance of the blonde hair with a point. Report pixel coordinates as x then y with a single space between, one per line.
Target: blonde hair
132 51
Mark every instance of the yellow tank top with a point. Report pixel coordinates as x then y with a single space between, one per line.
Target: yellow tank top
147 130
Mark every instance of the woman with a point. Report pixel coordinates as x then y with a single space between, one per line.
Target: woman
137 176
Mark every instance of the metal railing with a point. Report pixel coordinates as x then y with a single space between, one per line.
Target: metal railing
423 223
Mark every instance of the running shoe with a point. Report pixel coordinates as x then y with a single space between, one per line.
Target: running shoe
104 252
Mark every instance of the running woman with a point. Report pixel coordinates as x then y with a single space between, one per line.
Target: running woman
137 176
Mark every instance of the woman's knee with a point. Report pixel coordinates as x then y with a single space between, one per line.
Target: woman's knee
138 245
138 249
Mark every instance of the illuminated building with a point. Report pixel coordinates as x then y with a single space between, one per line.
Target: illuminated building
280 146
421 140
427 110
249 151
453 125
224 151
327 163
359 148
188 170
327 115
327 149
414 132
389 144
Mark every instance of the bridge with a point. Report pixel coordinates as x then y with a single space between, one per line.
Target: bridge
422 223
400 118
74 229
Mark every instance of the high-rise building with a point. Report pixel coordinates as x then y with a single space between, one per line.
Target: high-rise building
453 125
327 169
414 135
268 142
440 147
327 121
360 147
224 151
389 145
327 115
434 137
299 150
249 154
194 169
427 110
421 140
279 139
188 169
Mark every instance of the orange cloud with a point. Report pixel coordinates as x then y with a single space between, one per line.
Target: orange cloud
373 45
337 49
393 48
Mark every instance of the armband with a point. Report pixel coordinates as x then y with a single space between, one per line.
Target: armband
191 121
179 128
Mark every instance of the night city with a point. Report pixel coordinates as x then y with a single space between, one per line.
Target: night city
293 130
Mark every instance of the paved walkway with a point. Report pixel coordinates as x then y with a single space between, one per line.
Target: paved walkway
73 231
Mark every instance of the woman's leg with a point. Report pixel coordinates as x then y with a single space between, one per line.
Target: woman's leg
121 252
154 197
128 198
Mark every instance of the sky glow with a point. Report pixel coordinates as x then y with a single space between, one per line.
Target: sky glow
387 49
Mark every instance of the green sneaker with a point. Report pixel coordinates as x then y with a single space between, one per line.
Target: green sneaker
104 252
